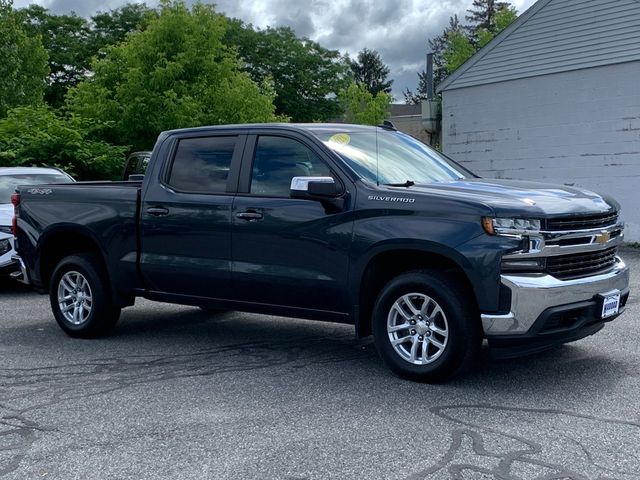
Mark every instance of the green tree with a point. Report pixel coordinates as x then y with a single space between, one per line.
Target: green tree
460 47
66 39
112 27
459 50
414 98
73 41
369 70
363 107
502 19
37 136
23 65
176 73
482 14
438 46
306 76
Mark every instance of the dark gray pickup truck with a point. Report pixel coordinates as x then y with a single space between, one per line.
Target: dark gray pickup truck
362 225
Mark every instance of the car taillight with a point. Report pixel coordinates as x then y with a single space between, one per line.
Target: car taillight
15 200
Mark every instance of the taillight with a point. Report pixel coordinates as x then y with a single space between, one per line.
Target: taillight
15 200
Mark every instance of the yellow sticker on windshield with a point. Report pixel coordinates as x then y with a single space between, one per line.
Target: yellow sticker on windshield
341 138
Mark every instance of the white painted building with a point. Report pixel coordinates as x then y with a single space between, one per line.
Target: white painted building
555 98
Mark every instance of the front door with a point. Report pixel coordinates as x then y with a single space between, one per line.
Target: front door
286 251
185 217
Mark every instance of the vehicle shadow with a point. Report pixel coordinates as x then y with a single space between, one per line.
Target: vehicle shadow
573 366
7 285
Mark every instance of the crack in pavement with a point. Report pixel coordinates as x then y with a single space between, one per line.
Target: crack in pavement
468 453
31 389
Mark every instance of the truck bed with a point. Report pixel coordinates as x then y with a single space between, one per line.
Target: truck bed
105 211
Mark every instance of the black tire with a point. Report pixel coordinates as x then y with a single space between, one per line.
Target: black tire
102 315
462 345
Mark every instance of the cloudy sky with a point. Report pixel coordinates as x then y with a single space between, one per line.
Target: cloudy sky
398 29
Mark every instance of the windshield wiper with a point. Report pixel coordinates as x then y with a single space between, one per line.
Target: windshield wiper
408 183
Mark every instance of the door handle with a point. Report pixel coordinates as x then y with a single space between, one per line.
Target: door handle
157 211
249 215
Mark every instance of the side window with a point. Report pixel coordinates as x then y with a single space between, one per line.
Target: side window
144 163
131 168
279 159
202 164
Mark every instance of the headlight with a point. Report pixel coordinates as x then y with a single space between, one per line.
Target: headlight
5 246
510 226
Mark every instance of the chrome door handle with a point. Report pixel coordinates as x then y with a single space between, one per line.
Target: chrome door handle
249 216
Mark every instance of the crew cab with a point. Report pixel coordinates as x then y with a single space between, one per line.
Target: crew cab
355 224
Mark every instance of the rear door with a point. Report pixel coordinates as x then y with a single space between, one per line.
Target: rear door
288 252
185 215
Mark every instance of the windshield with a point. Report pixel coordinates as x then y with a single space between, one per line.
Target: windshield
398 158
8 183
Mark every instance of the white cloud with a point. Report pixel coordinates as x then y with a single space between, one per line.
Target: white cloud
398 29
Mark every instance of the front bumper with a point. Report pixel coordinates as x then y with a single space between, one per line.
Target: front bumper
546 308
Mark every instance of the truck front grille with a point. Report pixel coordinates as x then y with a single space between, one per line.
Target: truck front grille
583 222
581 264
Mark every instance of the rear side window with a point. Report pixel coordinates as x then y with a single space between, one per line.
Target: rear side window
202 164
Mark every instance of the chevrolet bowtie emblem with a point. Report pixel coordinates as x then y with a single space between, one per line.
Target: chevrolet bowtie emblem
603 237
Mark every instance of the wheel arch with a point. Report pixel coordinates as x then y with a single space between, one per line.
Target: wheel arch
62 241
389 260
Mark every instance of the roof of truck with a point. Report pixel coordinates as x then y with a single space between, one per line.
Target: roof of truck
342 127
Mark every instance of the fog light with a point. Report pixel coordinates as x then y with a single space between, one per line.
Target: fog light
523 265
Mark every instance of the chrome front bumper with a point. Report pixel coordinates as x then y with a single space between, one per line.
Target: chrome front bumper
22 275
531 295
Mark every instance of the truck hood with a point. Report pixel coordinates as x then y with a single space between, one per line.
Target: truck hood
514 197
6 214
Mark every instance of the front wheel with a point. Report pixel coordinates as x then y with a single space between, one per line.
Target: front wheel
80 297
424 326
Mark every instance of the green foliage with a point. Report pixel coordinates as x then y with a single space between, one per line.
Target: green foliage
505 17
459 50
112 27
438 46
37 136
482 14
306 77
369 70
66 39
363 107
484 36
72 41
421 93
460 46
23 62
501 20
176 73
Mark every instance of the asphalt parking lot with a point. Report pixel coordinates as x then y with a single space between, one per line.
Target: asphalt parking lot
177 393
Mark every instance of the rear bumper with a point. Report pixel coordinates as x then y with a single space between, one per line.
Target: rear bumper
546 311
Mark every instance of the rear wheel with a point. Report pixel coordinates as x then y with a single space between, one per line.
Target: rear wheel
424 326
80 297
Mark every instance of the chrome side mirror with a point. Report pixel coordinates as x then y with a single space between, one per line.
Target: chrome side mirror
313 188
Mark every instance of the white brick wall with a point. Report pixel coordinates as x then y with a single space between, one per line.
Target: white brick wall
577 128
